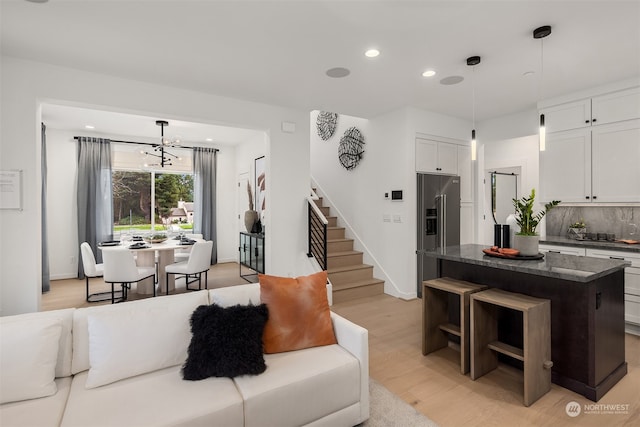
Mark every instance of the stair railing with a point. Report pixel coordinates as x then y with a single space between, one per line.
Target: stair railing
317 232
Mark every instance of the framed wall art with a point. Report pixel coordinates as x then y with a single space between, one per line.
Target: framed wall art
11 189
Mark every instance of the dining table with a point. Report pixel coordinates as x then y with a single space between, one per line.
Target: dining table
146 257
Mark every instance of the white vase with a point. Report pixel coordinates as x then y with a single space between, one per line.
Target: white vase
527 245
250 218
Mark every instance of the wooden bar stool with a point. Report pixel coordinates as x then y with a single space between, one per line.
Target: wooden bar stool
536 352
436 326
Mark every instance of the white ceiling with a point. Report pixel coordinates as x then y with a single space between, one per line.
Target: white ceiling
277 52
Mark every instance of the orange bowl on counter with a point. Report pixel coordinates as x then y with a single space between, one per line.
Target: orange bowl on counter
509 251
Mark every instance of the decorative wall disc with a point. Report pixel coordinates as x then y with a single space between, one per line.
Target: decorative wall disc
326 124
351 148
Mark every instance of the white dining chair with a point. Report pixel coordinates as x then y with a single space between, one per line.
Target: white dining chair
199 262
183 255
92 269
120 267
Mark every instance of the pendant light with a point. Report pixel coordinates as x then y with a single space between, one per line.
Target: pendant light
541 33
472 61
164 156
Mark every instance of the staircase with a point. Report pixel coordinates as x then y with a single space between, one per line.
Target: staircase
351 279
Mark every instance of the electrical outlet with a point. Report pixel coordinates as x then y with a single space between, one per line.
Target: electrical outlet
397 218
386 218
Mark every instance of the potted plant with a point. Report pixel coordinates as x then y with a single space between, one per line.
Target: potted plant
250 216
527 240
577 230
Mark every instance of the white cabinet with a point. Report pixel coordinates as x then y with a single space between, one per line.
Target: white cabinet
599 110
465 171
572 115
565 167
566 250
598 164
631 282
615 162
615 107
436 157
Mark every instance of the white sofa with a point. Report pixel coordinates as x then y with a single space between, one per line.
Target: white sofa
140 362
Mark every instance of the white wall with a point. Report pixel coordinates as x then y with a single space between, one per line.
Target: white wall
510 141
25 85
62 223
358 195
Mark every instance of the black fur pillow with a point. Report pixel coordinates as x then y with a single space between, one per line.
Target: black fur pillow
226 342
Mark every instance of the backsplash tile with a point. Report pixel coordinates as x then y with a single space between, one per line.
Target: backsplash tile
609 219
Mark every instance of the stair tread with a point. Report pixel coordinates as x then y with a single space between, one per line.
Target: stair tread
356 284
349 268
339 240
343 253
334 228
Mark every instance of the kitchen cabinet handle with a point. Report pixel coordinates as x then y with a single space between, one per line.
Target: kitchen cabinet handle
616 257
595 197
586 121
554 252
586 197
593 120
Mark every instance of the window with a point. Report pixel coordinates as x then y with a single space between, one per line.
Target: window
146 200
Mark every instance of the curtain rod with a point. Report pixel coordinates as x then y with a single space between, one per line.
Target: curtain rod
144 143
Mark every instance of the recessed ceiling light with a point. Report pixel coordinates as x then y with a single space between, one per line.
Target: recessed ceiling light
89 127
209 139
372 53
338 72
37 1
429 73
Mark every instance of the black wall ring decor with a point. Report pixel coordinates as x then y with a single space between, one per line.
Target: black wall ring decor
351 148
326 124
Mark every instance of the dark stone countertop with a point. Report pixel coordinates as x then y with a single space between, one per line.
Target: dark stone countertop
565 267
590 244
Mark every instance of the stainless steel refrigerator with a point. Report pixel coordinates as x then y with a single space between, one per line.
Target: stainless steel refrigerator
438 220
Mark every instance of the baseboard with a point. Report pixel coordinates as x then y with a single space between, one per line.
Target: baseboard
63 276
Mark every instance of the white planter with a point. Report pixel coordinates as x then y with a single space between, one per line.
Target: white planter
250 218
527 245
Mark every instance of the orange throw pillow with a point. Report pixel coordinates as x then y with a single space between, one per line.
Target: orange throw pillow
299 315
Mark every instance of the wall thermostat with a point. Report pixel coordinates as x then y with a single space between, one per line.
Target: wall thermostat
396 195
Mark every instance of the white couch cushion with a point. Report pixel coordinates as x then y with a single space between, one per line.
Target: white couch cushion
160 398
42 412
234 295
28 357
65 351
300 387
177 306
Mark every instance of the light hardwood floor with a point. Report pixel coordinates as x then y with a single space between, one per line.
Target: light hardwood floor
433 384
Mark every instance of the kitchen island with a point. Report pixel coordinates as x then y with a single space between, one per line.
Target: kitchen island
587 309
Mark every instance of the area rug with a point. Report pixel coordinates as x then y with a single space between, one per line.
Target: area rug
388 410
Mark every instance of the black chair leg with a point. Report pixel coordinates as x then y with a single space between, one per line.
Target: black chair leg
86 278
166 284
113 294
206 279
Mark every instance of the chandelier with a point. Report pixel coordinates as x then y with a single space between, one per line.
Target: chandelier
160 150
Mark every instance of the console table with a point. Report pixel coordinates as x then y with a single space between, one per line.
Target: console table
251 251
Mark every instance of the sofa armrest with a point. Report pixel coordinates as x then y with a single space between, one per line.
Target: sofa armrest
355 339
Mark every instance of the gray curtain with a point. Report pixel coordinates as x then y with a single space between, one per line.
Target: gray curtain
204 196
43 220
95 205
